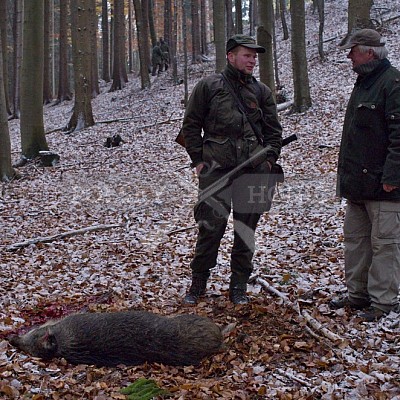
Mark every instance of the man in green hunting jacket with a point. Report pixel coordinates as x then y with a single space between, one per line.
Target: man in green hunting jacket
369 178
156 59
218 138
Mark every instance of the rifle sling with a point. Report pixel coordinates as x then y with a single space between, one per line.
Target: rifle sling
243 109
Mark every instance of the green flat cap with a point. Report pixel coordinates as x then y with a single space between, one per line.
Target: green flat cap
243 40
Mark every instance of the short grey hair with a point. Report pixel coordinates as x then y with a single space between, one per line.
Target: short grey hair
380 52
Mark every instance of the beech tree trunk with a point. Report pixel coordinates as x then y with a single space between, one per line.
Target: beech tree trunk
33 138
265 37
321 16
119 67
105 33
203 28
282 6
82 116
47 89
152 28
94 74
219 34
3 34
17 57
143 44
359 14
6 169
195 30
302 98
238 16
230 26
64 91
168 20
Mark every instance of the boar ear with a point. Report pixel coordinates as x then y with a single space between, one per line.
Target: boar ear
49 341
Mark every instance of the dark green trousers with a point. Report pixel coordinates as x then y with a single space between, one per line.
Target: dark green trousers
247 195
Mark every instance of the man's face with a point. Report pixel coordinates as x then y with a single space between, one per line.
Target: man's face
359 58
243 59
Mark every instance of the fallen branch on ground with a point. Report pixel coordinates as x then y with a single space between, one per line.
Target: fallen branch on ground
303 314
284 106
181 230
47 239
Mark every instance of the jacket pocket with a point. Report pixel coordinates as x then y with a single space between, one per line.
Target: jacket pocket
367 114
220 150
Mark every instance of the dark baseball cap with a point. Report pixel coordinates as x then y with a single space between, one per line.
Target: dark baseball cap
243 40
364 37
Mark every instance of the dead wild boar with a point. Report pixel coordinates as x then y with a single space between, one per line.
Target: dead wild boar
125 337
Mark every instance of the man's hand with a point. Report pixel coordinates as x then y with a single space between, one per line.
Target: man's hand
388 188
199 168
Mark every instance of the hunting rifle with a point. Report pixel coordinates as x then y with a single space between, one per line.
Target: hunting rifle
221 182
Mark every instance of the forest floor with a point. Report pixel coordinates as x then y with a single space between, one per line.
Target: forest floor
138 198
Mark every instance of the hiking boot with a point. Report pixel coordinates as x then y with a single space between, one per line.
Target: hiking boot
344 301
373 314
197 289
237 295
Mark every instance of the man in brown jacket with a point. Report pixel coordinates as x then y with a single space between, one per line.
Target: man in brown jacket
219 137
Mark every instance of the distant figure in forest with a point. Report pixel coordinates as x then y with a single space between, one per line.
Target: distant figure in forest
165 51
221 138
369 178
156 60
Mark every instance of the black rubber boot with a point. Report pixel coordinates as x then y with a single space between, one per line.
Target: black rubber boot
197 289
237 294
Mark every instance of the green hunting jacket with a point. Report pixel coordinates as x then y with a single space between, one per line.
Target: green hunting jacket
156 55
369 153
216 131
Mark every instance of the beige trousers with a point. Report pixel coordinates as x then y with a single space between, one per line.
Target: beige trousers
372 252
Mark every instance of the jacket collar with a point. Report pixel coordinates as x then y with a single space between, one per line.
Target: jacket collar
368 80
235 75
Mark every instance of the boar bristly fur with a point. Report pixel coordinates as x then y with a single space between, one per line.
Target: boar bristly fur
126 337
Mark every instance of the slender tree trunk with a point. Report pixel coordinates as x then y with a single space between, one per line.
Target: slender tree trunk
119 67
47 90
185 51
238 16
146 32
251 16
230 26
174 43
17 57
6 170
33 138
82 116
255 14
168 20
150 13
93 51
143 44
64 91
105 41
275 53
321 15
265 39
282 4
203 28
302 98
3 34
195 31
130 37
219 34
